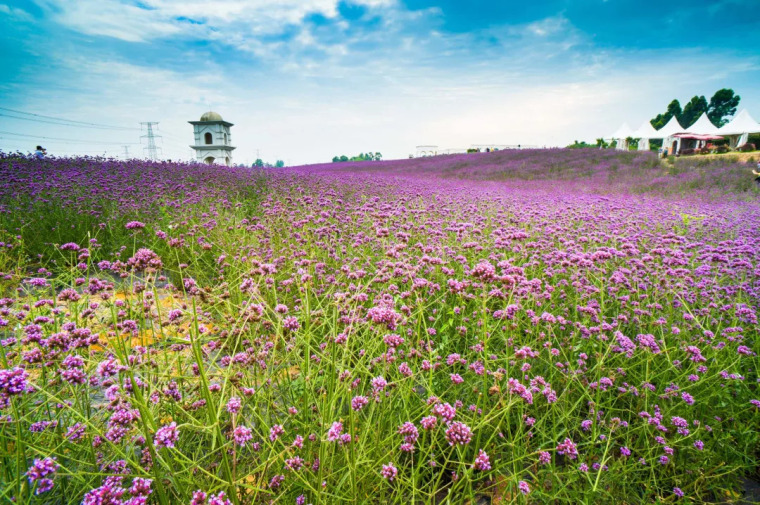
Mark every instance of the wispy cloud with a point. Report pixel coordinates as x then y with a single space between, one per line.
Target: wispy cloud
307 79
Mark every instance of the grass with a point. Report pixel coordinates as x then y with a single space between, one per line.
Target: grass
269 336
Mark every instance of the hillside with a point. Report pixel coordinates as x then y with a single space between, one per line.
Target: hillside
591 170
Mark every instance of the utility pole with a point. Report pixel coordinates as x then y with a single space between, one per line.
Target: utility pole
151 149
126 152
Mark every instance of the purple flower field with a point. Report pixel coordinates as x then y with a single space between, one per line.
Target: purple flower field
557 326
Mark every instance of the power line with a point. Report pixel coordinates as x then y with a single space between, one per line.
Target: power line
80 123
78 141
59 124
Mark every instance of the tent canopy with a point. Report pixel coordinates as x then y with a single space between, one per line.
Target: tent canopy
703 126
742 123
623 132
671 128
645 131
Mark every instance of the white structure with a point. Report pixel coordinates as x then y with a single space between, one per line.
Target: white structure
645 132
739 128
423 151
703 126
621 135
212 139
666 133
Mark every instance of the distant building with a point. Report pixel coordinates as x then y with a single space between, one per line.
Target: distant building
212 139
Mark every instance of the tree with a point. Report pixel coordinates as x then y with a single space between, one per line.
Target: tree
691 112
602 144
579 145
723 103
258 163
660 120
279 164
359 157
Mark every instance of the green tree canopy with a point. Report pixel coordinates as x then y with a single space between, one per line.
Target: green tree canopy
660 120
721 106
360 157
691 112
723 103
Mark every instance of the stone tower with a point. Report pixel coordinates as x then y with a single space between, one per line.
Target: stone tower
212 139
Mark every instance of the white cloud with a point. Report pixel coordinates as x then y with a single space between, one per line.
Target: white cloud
15 12
350 89
156 19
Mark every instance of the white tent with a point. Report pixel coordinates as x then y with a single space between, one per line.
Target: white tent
620 135
739 128
703 126
645 132
671 128
666 133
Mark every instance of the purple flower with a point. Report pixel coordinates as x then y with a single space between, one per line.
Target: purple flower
275 432
290 323
359 402
379 383
135 225
234 405
544 458
569 448
428 423
166 436
335 431
141 487
145 259
523 487
482 461
458 434
389 472
13 381
40 469
241 435
219 499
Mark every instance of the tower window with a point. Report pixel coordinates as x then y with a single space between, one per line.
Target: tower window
225 139
209 139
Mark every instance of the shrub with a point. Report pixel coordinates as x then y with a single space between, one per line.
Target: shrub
747 148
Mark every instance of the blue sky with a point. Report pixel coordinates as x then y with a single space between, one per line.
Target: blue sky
304 80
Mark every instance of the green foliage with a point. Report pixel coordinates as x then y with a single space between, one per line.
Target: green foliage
722 104
581 145
602 144
660 120
261 164
691 112
369 156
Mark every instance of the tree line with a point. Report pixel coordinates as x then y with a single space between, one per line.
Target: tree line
361 157
262 164
721 107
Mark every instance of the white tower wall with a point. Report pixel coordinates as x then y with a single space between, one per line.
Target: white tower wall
213 140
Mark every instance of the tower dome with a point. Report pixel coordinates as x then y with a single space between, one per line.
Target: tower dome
211 116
